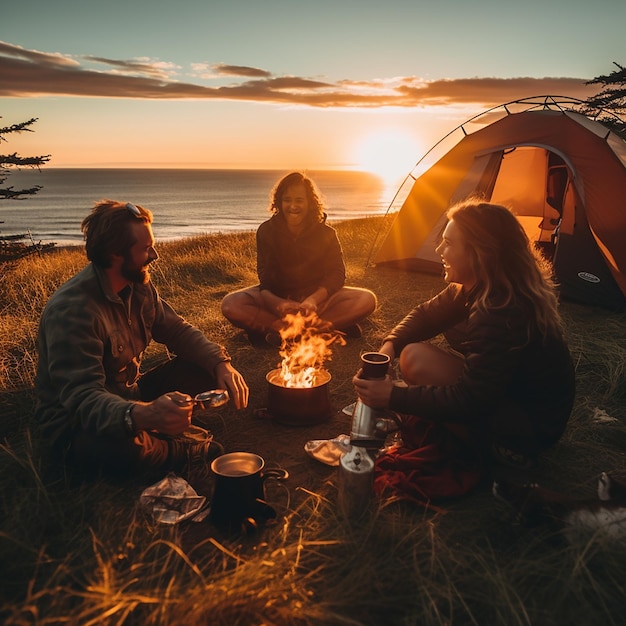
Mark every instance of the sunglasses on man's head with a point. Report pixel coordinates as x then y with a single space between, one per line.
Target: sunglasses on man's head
133 209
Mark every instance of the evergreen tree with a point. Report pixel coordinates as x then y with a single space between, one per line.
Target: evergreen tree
15 246
9 162
609 105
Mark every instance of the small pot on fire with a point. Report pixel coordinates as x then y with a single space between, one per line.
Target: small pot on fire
298 390
298 406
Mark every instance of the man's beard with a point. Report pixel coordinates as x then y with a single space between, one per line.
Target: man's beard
134 275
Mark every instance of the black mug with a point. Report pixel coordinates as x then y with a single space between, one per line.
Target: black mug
238 501
374 365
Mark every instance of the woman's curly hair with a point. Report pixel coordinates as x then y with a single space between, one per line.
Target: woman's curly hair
314 197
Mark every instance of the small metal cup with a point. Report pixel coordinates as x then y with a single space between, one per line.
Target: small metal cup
207 399
374 365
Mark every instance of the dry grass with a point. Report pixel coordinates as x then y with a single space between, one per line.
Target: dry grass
85 553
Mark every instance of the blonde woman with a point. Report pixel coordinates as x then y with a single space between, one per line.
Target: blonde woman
504 385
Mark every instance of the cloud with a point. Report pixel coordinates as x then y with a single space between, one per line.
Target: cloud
240 70
494 90
30 73
36 57
138 67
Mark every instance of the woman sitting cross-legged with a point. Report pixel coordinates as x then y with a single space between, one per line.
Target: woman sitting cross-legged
301 269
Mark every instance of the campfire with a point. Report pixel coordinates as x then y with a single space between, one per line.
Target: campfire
306 342
298 388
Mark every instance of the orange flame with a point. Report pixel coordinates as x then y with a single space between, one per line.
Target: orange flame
306 341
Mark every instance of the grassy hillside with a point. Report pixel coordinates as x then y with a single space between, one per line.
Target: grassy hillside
86 553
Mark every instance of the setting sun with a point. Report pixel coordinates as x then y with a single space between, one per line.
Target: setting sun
390 154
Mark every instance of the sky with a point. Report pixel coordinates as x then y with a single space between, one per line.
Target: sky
284 84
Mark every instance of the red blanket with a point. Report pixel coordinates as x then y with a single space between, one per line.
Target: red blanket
432 463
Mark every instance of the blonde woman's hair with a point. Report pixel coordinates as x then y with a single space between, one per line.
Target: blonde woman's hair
509 270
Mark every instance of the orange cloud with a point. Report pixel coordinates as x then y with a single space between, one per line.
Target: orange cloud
29 73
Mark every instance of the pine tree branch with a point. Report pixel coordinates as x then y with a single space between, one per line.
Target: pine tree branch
8 193
17 128
7 160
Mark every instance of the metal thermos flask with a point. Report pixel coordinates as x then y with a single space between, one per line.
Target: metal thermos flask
355 482
356 466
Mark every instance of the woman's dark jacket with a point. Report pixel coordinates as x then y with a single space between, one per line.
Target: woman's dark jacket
503 366
294 267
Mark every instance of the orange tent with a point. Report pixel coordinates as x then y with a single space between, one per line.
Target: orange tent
564 176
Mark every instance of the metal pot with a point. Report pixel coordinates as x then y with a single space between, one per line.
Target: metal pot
298 406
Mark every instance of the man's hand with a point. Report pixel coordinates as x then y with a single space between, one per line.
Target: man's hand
229 378
169 414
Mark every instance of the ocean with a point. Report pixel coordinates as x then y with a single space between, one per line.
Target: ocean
185 202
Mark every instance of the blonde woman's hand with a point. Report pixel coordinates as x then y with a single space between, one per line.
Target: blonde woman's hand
374 393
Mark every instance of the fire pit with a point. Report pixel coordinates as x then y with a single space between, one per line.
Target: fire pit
298 389
298 406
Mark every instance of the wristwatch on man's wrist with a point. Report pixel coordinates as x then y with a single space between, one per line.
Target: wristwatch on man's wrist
129 425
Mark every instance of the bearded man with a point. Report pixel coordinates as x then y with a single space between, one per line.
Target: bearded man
96 408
